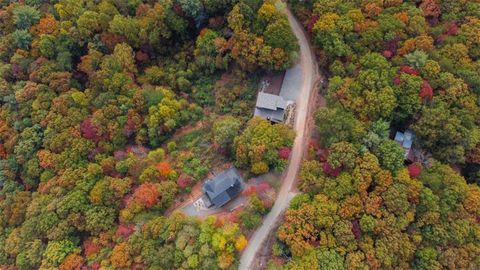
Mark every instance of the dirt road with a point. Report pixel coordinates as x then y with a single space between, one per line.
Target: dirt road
306 87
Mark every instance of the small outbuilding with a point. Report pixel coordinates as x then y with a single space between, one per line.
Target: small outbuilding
405 140
222 188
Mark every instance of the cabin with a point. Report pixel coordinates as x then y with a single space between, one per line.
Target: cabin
270 107
405 140
222 188
276 94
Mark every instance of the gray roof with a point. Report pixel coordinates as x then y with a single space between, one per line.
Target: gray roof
223 187
399 137
405 139
270 102
270 107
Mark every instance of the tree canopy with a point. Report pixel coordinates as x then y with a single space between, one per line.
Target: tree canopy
368 202
111 111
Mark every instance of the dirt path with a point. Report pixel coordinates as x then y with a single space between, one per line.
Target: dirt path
304 110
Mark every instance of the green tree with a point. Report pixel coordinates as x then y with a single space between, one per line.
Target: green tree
342 154
206 51
390 154
427 258
335 125
447 133
408 99
99 218
417 59
127 27
25 16
192 8
278 34
22 39
330 259
311 178
225 130
259 144
31 256
56 251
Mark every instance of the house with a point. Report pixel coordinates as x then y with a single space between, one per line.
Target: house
270 107
222 188
405 140
274 96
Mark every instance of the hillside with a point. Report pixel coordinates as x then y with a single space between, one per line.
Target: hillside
113 111
391 180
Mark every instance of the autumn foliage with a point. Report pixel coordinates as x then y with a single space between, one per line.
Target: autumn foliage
72 262
284 153
414 170
120 257
146 194
164 168
393 66
426 92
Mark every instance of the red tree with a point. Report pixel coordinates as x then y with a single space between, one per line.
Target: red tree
284 152
426 92
451 28
250 191
141 57
184 181
387 54
124 230
3 152
322 155
90 248
263 186
357 232
311 23
409 70
330 171
414 170
397 80
89 130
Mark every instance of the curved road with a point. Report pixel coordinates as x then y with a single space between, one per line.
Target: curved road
304 107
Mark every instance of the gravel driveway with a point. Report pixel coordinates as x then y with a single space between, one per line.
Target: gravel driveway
304 82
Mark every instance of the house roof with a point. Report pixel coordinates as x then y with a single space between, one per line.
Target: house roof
270 102
405 139
399 137
270 107
223 187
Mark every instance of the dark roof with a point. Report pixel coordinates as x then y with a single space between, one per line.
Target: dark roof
223 187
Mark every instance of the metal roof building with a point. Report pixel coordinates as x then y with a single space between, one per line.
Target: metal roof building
277 92
223 188
405 139
270 107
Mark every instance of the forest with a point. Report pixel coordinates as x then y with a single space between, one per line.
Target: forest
392 65
111 110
